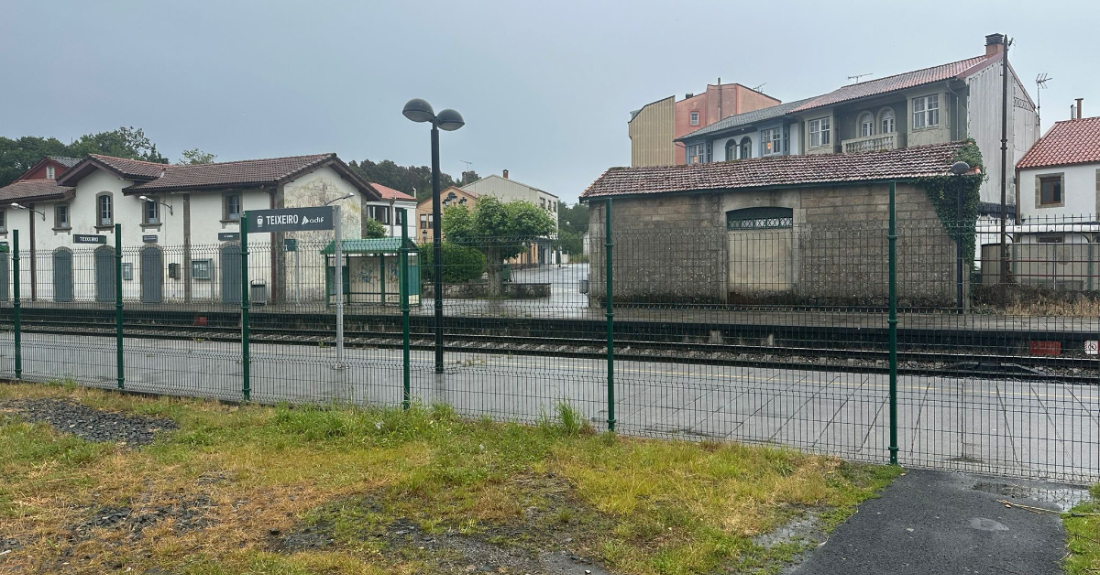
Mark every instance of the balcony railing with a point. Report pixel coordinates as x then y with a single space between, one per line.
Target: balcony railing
870 143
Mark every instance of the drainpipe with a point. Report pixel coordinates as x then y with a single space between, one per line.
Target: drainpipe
956 126
34 260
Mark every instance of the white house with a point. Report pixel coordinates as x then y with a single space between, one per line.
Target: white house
509 190
385 210
180 226
1060 176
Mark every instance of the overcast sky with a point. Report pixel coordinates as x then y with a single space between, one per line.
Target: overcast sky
545 86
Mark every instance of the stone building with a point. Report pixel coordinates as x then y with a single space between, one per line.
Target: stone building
787 229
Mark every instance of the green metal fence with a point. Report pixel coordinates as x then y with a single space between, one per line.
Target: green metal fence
844 339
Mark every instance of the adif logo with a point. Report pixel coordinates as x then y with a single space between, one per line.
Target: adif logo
259 222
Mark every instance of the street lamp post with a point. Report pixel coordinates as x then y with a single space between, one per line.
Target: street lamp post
959 168
419 110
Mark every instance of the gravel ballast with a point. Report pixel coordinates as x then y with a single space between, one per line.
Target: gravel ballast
88 423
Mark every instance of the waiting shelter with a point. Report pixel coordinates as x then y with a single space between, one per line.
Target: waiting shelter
372 271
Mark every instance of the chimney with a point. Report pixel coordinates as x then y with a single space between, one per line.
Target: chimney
994 44
505 174
1079 108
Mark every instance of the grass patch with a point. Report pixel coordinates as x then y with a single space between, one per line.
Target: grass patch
1083 536
288 490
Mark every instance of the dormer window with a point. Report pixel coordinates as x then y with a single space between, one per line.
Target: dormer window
50 173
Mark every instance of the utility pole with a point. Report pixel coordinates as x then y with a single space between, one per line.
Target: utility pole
1004 172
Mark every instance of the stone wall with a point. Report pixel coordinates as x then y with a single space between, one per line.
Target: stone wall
676 249
667 249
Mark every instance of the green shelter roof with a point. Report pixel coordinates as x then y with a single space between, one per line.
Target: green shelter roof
368 246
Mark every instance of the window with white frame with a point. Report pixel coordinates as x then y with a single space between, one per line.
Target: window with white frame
731 149
380 213
926 111
50 172
151 213
695 118
819 132
771 141
61 217
231 210
886 121
695 154
105 210
866 125
3 221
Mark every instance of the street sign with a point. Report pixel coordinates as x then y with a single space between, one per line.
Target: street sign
149 239
229 236
89 239
290 244
1092 347
290 220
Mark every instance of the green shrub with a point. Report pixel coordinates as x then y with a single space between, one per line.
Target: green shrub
460 263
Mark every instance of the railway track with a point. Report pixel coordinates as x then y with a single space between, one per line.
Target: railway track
1079 370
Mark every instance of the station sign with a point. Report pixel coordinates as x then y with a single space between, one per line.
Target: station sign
229 236
89 239
290 220
149 239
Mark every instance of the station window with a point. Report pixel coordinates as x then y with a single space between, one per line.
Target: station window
127 272
232 208
202 269
1050 191
61 217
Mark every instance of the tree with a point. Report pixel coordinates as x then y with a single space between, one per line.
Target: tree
124 142
574 219
17 156
499 230
196 156
413 180
373 228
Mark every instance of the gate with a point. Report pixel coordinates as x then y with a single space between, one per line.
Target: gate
152 275
63 275
104 274
229 266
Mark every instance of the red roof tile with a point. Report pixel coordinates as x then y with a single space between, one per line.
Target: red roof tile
392 194
896 82
132 168
27 190
922 161
1066 142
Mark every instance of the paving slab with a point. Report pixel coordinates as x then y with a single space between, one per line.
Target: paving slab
933 523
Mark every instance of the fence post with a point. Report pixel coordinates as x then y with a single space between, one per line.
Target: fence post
118 307
246 358
16 305
609 295
382 282
892 236
406 396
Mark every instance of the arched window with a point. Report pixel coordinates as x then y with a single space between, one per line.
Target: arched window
886 121
866 125
746 148
731 149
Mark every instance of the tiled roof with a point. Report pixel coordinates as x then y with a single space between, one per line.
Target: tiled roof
392 194
132 168
892 83
31 190
248 172
745 119
67 162
1067 142
922 161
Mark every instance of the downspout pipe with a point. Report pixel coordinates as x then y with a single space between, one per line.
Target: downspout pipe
947 85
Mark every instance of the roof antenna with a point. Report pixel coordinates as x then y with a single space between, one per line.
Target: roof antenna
858 76
1040 85
757 89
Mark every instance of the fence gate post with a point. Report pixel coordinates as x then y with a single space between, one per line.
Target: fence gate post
406 396
892 237
609 295
246 358
16 305
118 307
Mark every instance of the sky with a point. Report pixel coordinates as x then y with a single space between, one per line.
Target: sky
545 87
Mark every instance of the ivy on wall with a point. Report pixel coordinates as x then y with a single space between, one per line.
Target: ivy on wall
943 192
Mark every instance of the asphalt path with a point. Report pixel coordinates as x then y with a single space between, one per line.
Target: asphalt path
1001 427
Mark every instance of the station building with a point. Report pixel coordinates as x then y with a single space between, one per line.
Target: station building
180 227
789 229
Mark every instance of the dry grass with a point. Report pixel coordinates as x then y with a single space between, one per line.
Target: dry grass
636 506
